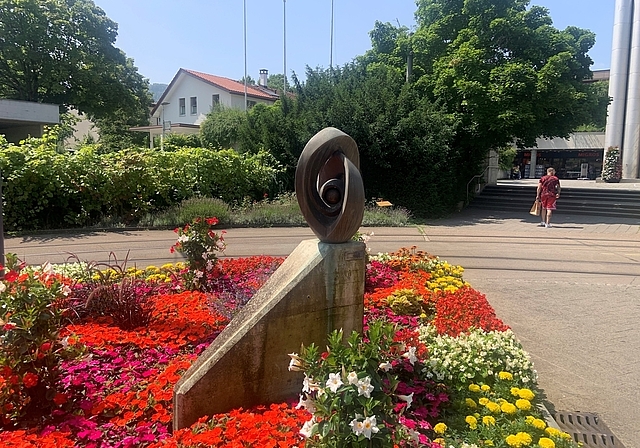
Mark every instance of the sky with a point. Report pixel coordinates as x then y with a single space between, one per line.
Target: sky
162 36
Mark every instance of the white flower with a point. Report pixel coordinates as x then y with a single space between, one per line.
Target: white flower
407 398
411 355
369 427
334 382
3 287
221 245
46 268
356 426
307 428
209 265
66 290
352 378
364 387
296 363
386 366
183 238
306 403
307 384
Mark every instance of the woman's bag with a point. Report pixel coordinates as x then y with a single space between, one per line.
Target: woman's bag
535 208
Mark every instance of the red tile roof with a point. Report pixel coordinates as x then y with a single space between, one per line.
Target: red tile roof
231 86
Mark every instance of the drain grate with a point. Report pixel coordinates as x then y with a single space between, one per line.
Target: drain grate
587 428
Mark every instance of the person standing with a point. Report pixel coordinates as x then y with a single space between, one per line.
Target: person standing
548 192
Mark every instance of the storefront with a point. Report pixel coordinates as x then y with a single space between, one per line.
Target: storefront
575 164
578 157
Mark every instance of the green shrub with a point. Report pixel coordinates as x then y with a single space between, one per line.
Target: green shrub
189 210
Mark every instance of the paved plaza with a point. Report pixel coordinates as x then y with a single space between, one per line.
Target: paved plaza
571 293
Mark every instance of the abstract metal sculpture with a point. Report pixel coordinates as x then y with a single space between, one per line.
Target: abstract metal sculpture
329 186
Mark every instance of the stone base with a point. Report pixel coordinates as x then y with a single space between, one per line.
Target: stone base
319 288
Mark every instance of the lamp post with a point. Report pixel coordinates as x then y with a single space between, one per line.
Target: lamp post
331 45
164 103
244 14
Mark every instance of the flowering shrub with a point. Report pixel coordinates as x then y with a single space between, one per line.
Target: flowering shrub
355 396
31 312
199 243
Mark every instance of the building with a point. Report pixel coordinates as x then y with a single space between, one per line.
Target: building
577 157
23 119
191 95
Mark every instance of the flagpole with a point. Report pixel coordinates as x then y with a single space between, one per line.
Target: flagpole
331 49
284 31
244 12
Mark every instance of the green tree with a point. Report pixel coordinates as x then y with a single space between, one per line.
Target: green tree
501 71
62 52
222 126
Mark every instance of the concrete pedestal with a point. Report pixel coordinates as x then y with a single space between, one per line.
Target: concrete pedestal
319 288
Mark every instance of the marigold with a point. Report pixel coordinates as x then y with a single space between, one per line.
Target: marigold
505 376
545 442
508 408
488 420
474 388
523 405
440 428
493 407
485 388
470 403
526 394
471 421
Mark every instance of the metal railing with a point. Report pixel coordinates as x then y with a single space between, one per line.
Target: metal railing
477 176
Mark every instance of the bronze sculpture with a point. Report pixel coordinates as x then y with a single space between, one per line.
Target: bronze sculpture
329 186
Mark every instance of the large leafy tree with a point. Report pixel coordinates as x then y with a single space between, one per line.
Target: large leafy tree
499 68
63 52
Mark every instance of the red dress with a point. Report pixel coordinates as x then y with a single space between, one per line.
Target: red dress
550 185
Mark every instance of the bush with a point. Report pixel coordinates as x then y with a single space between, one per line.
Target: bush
45 189
188 210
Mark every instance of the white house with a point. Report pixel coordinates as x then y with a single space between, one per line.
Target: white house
191 95
22 119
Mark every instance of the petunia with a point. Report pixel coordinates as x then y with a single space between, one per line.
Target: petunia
407 398
386 366
296 362
352 378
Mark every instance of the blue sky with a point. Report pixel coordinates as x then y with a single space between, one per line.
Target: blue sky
163 36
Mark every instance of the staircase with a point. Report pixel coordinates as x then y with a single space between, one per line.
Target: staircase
573 201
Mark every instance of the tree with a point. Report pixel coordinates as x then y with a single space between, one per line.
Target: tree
500 70
276 82
62 52
222 126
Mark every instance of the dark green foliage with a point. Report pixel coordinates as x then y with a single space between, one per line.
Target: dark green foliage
221 128
46 189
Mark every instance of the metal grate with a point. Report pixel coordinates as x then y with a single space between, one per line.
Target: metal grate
587 428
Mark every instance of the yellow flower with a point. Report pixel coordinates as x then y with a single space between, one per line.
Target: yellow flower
523 404
508 408
488 442
529 419
553 432
515 391
483 401
565 435
538 423
545 442
474 388
470 403
505 376
471 421
519 440
512 440
440 428
493 407
526 394
488 420
485 388
440 441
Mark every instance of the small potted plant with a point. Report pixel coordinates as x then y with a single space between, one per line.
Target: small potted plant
612 169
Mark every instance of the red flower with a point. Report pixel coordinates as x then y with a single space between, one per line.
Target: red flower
60 399
9 326
30 380
45 347
212 221
11 276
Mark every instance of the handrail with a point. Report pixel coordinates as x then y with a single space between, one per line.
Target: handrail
473 178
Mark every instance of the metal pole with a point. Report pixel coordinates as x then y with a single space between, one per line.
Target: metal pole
162 136
244 11
331 45
284 31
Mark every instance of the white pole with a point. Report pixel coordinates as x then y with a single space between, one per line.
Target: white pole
284 32
331 45
244 11
631 142
619 74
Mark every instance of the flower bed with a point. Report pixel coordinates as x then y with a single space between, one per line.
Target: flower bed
434 367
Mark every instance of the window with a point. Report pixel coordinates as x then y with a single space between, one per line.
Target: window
215 100
181 107
250 104
194 105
